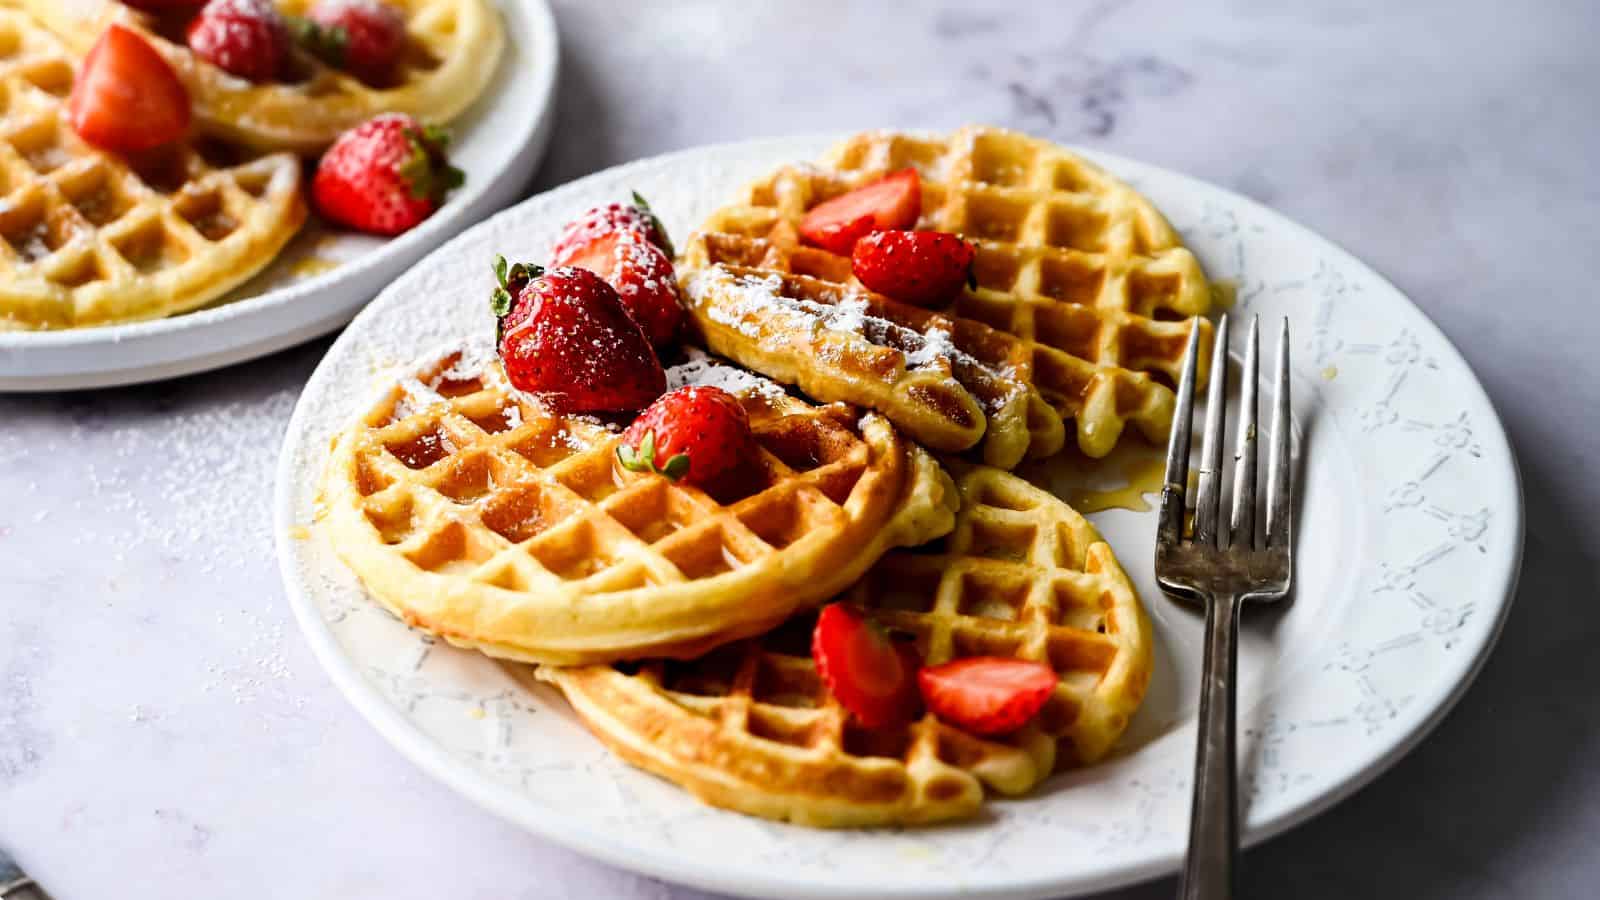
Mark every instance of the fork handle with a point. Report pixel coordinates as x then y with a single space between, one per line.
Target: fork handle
1214 818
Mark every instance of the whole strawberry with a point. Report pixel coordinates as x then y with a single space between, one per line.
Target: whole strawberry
385 175
361 36
921 267
566 338
642 274
247 38
603 220
697 434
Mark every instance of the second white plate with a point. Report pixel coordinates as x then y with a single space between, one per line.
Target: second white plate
1409 541
323 277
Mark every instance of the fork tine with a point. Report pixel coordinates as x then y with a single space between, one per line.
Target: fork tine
1176 481
1279 498
1210 499
1244 449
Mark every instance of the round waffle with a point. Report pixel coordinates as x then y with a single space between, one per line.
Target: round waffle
1076 273
89 238
453 47
478 515
751 727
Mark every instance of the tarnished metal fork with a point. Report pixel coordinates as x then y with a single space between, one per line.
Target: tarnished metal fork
1220 568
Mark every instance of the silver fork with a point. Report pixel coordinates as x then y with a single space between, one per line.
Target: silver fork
1219 569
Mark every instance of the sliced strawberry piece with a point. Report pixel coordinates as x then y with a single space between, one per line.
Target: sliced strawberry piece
602 220
922 267
891 202
696 433
385 175
567 339
987 694
872 675
247 38
127 98
642 275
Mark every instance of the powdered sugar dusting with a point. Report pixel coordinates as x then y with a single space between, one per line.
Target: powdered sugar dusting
702 370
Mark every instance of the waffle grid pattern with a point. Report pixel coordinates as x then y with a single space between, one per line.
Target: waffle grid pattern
90 238
1078 268
489 520
452 50
751 726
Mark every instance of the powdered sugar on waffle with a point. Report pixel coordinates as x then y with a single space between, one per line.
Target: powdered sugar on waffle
701 370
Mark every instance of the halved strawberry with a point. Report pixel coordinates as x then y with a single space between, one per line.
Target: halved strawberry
922 267
567 339
127 98
696 433
872 674
891 202
641 273
602 220
987 694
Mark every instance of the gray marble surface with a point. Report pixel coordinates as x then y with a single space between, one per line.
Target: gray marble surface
164 732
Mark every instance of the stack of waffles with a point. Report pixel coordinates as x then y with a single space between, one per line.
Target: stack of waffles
90 237
678 623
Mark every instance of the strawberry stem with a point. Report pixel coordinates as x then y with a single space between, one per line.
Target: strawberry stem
643 206
644 459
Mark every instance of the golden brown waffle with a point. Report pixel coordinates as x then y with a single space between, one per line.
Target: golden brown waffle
88 237
948 383
478 515
1077 267
751 727
453 47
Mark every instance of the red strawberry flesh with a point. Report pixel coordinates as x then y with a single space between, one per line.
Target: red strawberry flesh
127 98
870 673
892 202
986 694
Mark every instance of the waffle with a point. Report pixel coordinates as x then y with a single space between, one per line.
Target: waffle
1078 269
88 238
948 383
453 48
475 514
750 727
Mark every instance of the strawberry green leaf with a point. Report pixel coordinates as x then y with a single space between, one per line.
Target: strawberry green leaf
500 302
437 135
676 467
643 206
500 270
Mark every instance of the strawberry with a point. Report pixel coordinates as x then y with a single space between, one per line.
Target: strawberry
361 36
893 201
127 98
987 694
921 267
157 6
385 175
702 433
642 275
602 220
566 338
872 674
247 38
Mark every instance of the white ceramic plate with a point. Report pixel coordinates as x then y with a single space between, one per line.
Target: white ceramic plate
323 277
1410 536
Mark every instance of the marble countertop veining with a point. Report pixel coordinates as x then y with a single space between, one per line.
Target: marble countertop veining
165 732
